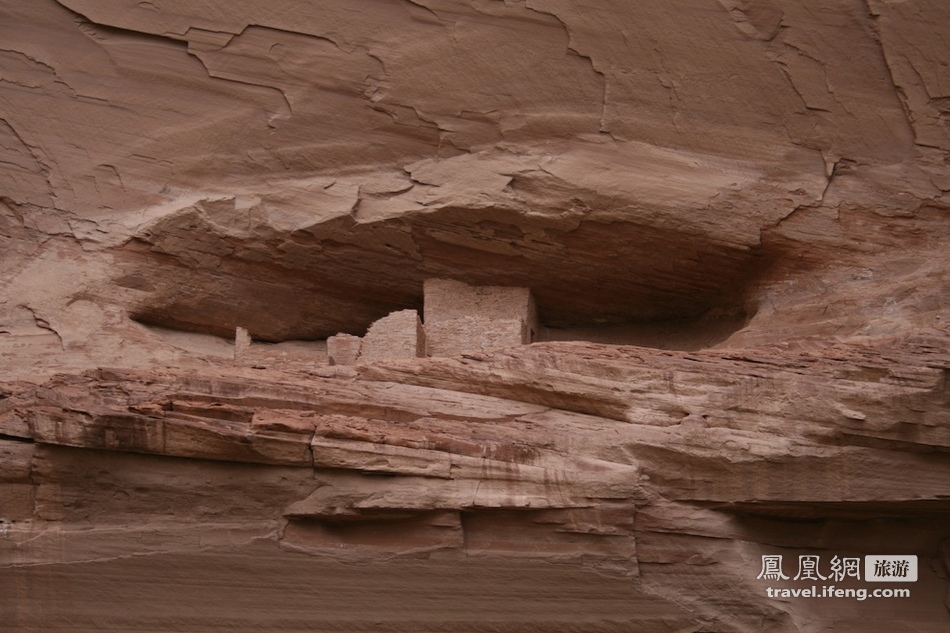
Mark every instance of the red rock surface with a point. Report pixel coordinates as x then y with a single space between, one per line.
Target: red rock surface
733 217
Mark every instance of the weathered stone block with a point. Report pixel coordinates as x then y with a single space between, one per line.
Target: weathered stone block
344 349
242 343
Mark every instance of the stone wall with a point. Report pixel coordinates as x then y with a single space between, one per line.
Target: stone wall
463 319
471 334
399 335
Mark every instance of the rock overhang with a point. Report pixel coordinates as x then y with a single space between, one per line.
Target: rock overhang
341 278
595 243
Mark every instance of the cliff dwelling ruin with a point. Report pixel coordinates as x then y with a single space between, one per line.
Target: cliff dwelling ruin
454 315
459 319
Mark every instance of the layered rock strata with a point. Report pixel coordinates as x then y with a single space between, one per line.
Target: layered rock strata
732 215
653 468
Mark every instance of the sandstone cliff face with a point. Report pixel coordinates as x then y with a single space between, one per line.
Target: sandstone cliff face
733 217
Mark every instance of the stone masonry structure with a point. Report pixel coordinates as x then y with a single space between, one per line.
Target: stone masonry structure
344 349
459 319
242 342
398 335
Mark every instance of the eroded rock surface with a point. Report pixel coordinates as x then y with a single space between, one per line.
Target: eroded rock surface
733 218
